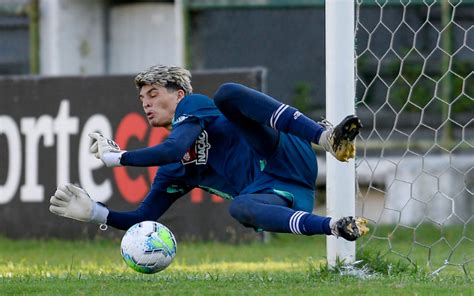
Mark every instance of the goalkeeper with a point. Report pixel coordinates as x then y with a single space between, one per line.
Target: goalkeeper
242 145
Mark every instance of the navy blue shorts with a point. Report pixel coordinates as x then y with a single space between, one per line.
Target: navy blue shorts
290 172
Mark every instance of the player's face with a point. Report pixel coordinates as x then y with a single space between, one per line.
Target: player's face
159 104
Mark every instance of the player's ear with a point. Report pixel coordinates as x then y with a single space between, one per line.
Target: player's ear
181 94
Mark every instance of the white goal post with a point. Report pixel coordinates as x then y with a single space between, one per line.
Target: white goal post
405 68
340 94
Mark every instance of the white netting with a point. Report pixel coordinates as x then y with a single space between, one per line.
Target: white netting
415 164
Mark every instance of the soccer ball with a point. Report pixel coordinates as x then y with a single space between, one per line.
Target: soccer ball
148 247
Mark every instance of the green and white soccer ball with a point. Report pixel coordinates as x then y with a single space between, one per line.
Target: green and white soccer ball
148 247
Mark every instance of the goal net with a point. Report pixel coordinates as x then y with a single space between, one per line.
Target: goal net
415 158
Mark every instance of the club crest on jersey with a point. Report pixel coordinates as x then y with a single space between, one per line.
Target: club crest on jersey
198 153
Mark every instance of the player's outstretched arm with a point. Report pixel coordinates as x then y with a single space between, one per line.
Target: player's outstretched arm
73 202
169 151
106 150
155 204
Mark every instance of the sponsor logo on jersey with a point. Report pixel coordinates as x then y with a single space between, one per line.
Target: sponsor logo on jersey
198 153
296 115
181 118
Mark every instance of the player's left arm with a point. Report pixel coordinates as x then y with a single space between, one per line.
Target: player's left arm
169 151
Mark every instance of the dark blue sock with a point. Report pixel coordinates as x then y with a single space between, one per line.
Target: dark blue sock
289 120
309 224
270 212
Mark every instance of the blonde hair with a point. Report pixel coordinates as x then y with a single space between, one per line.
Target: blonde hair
165 76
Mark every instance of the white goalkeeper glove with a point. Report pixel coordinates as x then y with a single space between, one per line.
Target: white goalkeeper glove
106 150
73 202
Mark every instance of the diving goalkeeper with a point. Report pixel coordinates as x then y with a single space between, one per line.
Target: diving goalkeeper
242 145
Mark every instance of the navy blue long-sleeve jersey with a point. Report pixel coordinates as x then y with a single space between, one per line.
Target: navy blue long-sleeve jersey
206 150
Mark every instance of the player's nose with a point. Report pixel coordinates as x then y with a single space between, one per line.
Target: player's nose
146 105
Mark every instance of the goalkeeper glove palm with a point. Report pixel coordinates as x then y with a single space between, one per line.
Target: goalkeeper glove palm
73 202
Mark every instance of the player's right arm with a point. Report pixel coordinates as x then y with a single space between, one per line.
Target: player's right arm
155 204
71 201
168 186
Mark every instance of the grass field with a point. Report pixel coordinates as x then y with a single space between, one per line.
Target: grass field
286 265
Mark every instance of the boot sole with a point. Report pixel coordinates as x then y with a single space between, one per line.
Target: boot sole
361 224
349 128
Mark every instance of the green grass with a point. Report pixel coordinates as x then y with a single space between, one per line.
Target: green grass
287 265
429 247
